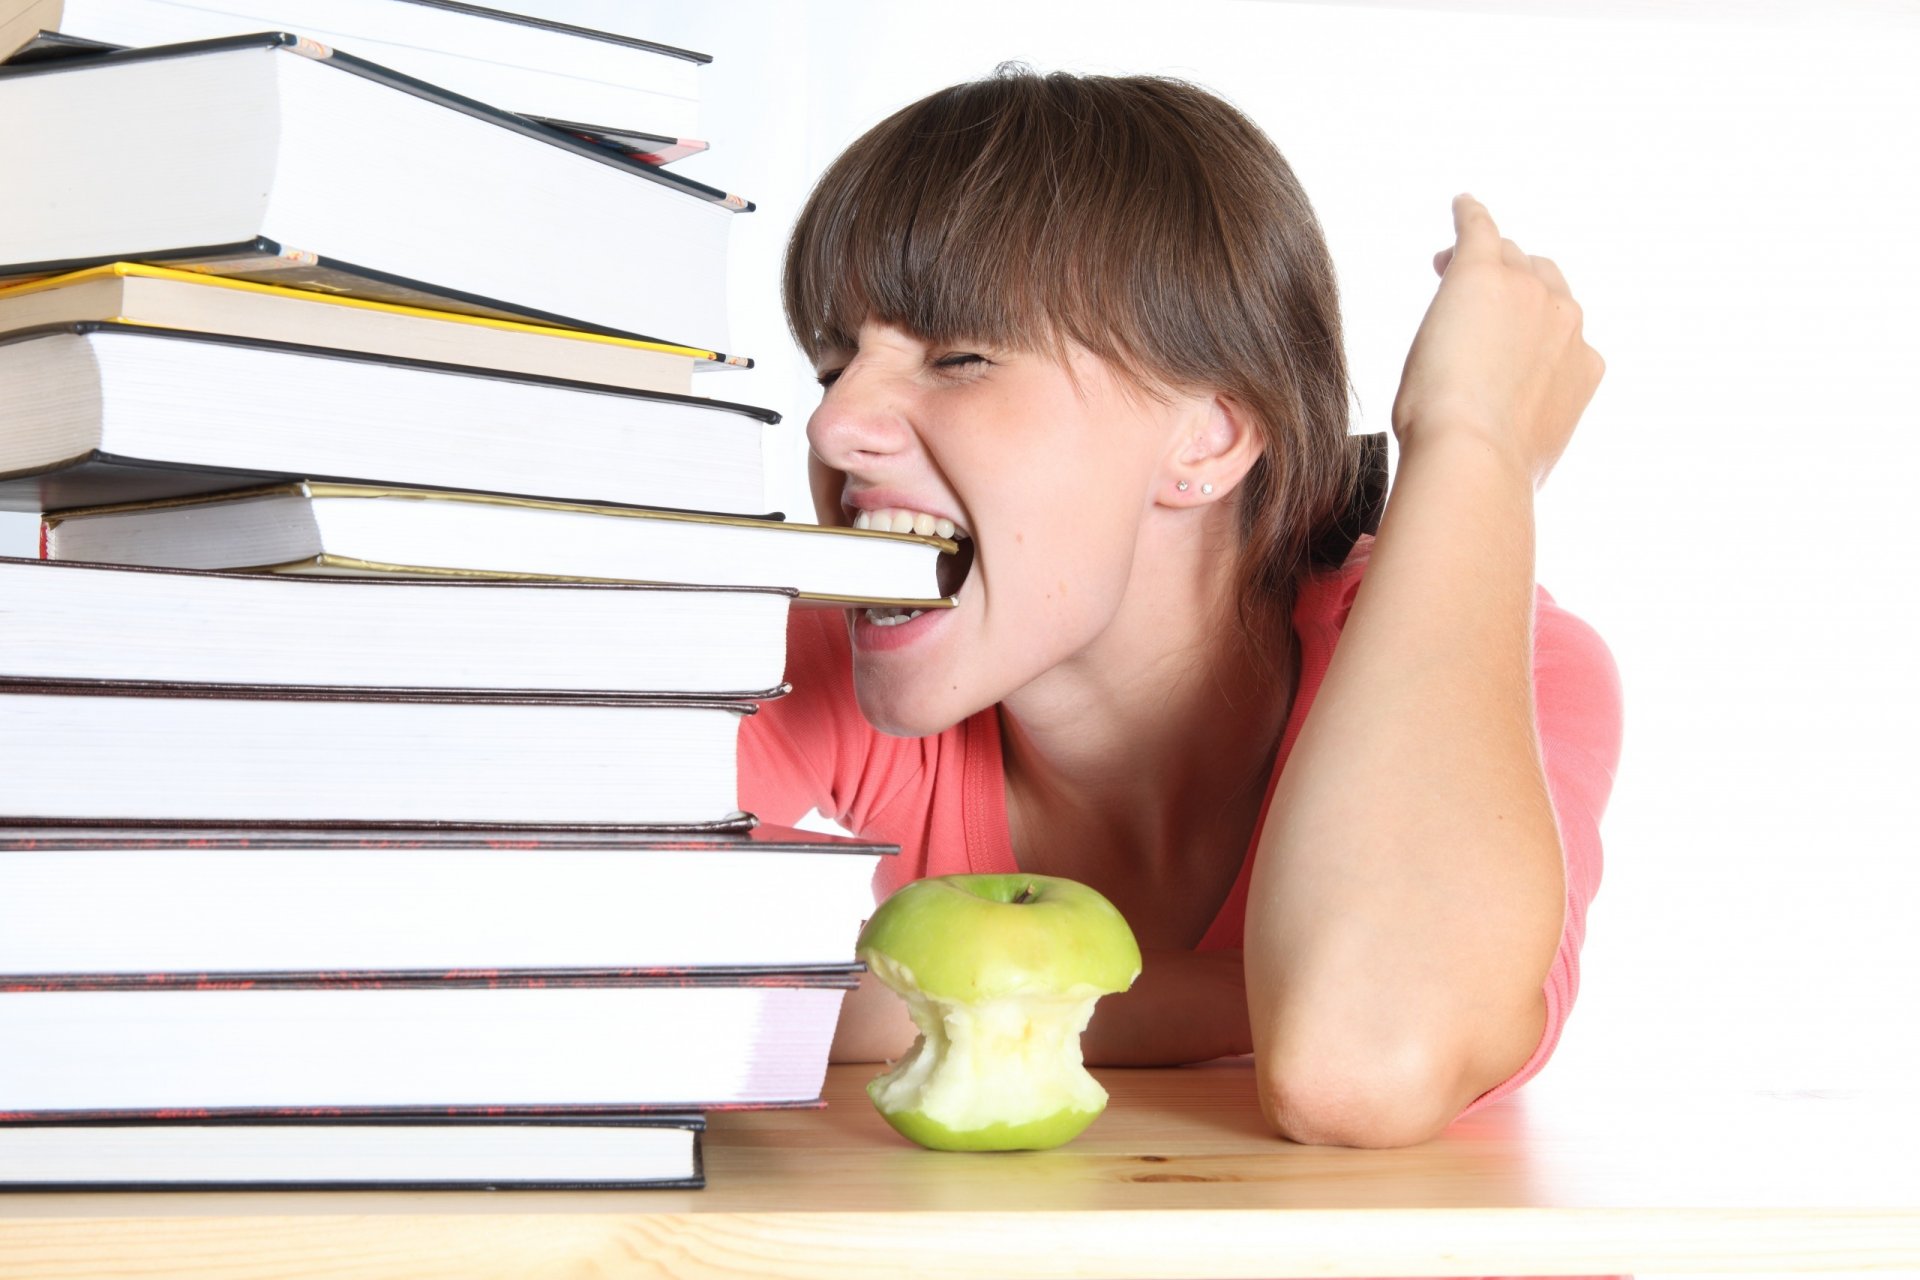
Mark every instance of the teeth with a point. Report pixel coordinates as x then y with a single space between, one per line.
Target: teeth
902 520
891 617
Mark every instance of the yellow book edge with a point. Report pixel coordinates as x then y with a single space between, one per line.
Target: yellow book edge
111 270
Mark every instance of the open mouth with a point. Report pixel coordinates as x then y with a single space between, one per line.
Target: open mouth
953 567
952 572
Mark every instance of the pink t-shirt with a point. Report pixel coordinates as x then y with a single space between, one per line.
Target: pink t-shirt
942 798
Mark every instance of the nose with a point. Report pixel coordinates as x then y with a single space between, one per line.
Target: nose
860 422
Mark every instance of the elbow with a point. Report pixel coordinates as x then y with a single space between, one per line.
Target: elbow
1342 1098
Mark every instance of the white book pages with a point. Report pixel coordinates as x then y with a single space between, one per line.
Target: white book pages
245 910
93 622
476 1153
209 759
399 1046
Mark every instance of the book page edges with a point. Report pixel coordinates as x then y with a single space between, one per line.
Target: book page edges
122 270
348 564
321 489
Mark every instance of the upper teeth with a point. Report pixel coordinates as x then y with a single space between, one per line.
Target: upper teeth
901 520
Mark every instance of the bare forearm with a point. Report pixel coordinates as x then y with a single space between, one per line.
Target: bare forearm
874 1025
1186 1006
1408 895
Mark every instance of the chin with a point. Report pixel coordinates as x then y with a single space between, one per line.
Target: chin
908 713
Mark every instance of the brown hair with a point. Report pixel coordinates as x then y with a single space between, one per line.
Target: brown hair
1140 217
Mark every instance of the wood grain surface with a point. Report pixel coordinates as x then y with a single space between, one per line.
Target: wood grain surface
1177 1179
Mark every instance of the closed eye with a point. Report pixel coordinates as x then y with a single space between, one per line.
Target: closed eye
827 377
959 360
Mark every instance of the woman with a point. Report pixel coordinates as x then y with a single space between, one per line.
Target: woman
1092 323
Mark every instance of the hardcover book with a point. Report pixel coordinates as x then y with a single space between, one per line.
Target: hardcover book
511 60
87 898
359 529
198 754
275 158
112 413
135 293
621 1040
81 622
424 1151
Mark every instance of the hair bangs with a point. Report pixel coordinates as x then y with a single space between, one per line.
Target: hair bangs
998 211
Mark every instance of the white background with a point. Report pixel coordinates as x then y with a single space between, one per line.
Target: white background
1731 191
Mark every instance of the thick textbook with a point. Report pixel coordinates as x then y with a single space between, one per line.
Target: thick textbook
90 622
277 159
201 754
337 528
100 413
625 1039
425 1151
520 63
99 899
135 293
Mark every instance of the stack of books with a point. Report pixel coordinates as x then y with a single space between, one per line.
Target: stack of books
548 71
368 794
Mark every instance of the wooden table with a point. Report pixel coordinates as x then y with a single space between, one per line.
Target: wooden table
1177 1179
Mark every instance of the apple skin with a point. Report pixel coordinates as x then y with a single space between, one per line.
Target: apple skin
1044 1134
1000 973
966 938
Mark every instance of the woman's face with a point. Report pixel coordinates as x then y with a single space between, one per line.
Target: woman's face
1049 470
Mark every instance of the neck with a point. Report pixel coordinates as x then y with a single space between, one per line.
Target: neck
1166 725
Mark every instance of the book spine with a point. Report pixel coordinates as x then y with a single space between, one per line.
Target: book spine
823 977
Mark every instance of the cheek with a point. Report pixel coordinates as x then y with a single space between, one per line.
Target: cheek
826 485
1065 571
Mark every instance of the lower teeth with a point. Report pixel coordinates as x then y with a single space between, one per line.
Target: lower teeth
891 619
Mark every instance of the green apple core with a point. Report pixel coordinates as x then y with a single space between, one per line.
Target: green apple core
1014 1061
1000 975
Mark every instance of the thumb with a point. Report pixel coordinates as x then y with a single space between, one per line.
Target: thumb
1473 229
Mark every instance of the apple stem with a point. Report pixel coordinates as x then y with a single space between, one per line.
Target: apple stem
1026 895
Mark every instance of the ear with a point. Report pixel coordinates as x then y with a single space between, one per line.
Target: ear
1217 445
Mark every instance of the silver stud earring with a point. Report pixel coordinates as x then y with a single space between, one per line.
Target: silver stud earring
1182 486
1206 488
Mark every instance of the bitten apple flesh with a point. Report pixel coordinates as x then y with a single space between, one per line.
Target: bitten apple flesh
1000 974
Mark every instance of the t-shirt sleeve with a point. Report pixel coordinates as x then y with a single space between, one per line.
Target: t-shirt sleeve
1577 708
